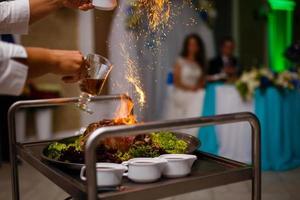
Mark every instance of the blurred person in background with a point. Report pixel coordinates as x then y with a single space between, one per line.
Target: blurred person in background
225 65
187 94
189 71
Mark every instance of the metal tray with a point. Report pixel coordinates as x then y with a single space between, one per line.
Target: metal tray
208 171
194 144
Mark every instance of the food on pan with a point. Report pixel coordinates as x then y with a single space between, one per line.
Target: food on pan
119 149
169 142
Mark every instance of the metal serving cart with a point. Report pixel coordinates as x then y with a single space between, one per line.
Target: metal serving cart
208 171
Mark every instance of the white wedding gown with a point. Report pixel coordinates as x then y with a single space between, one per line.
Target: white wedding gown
184 103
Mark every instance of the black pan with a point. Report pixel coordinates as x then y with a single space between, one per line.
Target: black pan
194 144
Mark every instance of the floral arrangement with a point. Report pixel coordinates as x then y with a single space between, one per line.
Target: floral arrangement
288 80
263 78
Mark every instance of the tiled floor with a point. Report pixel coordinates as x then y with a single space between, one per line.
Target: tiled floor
276 186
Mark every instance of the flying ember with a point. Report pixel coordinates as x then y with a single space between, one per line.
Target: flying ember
157 11
132 77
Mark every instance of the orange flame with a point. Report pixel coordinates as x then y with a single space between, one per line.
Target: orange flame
124 113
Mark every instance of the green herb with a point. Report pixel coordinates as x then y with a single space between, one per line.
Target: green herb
169 142
138 151
145 151
55 149
123 156
77 144
153 146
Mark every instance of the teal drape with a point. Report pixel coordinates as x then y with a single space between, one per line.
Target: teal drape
279 115
208 134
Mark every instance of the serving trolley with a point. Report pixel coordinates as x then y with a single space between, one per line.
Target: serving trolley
208 171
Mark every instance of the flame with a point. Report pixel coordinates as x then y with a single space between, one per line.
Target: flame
124 112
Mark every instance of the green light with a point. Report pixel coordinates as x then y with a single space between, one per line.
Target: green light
282 4
280 26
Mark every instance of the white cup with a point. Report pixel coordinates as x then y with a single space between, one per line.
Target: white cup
145 170
179 165
105 4
108 174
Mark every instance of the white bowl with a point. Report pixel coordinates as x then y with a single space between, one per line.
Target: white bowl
108 174
105 4
179 165
145 170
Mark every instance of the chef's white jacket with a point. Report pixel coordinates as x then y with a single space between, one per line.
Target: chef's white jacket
14 19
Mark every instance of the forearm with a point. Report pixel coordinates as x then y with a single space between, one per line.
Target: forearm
16 15
41 8
39 61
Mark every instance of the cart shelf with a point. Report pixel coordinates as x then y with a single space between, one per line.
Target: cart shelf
208 171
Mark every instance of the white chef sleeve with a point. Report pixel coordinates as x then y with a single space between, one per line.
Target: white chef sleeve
12 74
13 77
14 17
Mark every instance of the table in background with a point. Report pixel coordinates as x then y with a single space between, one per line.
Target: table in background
279 114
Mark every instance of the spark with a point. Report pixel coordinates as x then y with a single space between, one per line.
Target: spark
157 11
132 77
192 22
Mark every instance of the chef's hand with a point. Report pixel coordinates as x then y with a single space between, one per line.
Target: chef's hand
67 63
80 4
41 8
42 61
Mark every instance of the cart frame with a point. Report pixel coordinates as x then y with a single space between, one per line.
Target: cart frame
90 151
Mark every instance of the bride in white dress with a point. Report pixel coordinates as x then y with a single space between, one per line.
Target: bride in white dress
189 70
189 81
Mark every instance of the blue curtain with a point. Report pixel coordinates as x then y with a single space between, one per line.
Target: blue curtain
279 114
208 135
